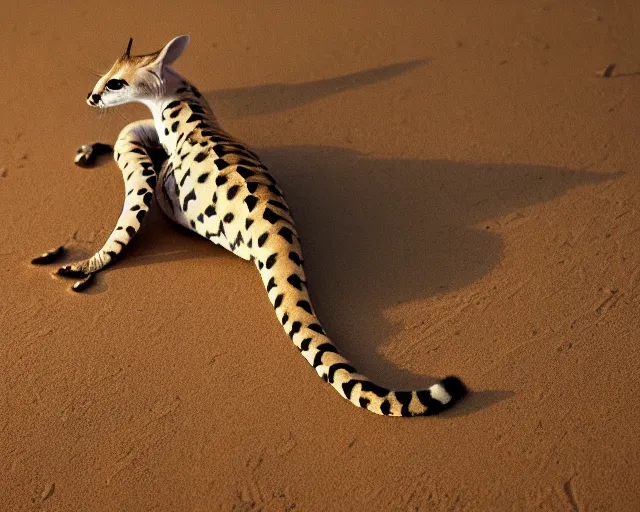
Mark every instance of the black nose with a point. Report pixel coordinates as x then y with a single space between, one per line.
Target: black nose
95 98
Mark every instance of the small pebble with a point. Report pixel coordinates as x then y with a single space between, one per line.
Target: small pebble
606 72
48 491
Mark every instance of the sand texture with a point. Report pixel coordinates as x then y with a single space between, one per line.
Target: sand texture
467 191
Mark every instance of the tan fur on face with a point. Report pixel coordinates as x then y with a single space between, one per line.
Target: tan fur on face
125 68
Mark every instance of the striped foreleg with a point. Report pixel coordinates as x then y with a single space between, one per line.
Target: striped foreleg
132 156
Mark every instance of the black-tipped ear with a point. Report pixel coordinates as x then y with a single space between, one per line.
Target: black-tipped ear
128 52
172 50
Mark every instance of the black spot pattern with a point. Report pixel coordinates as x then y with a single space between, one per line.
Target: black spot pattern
286 233
244 172
304 345
203 177
191 196
375 389
171 105
193 118
271 260
220 163
347 388
262 239
233 190
425 397
221 150
174 126
278 301
251 202
295 327
404 397
271 284
295 257
295 281
304 305
210 211
317 328
278 204
252 187
270 216
184 177
274 190
228 217
237 241
201 156
221 180
327 347
339 366
269 177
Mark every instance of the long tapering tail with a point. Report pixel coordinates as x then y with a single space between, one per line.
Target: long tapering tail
278 256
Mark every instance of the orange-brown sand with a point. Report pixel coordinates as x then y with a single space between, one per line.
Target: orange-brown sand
467 192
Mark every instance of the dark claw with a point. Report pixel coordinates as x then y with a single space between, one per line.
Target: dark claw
83 284
88 155
69 272
49 256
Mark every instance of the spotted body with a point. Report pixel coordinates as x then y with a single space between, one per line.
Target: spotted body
212 184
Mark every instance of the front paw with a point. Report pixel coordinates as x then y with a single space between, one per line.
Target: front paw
83 284
88 154
49 256
79 269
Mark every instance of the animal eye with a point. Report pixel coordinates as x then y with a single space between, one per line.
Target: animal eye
114 84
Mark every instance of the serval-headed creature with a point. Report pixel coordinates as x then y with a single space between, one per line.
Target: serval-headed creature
212 184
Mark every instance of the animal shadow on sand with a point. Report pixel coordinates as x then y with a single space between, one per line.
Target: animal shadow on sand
278 97
380 232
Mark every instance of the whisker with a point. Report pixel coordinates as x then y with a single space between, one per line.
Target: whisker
103 114
121 114
89 71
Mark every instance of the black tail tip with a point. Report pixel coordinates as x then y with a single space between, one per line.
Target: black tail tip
455 387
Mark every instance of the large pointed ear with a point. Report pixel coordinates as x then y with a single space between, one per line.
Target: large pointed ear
172 50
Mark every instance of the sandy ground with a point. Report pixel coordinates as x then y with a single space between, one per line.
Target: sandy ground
467 192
